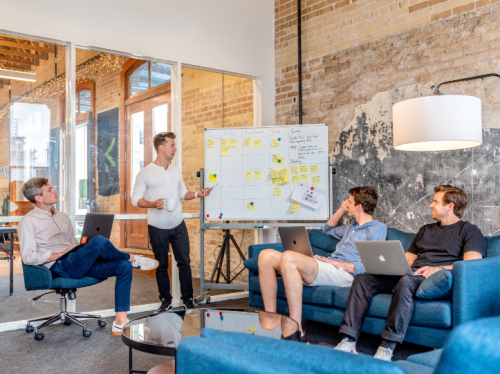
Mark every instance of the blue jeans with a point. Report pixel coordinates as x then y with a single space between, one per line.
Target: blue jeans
99 259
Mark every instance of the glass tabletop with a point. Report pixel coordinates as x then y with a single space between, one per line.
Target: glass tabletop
161 333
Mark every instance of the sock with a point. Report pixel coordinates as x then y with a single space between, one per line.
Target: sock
388 344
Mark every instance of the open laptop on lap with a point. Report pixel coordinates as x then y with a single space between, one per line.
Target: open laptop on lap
383 258
294 238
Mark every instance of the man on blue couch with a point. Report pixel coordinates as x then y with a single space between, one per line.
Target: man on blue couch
435 247
337 270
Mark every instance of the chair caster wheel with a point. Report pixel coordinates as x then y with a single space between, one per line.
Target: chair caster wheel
101 323
29 329
67 323
87 333
39 336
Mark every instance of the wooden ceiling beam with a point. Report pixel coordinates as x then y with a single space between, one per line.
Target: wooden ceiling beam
22 61
12 52
31 47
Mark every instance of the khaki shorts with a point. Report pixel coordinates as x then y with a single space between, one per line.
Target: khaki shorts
329 275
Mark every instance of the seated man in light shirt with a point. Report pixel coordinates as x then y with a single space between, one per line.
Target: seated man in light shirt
45 235
338 269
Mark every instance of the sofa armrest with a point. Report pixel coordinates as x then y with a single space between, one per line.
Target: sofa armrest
476 293
254 250
37 277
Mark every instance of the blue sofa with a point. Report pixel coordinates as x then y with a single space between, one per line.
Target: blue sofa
476 293
472 349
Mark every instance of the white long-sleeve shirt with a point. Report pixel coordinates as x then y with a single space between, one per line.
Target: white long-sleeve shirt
153 183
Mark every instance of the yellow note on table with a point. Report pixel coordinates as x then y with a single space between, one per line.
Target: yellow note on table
304 169
224 151
275 181
276 158
249 174
275 173
212 177
210 143
257 143
295 170
315 180
247 142
304 178
224 143
277 191
258 174
250 206
314 169
295 206
233 143
275 143
295 179
251 329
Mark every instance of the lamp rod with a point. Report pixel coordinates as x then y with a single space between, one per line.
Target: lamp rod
437 92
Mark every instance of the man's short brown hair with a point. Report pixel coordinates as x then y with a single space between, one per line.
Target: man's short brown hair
33 187
159 139
366 196
453 195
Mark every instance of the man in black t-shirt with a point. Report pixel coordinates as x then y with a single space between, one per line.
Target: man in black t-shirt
435 248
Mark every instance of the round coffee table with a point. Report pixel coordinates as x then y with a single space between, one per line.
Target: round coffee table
160 334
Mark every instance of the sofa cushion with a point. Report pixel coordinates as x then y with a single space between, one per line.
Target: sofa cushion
252 264
438 286
429 359
404 237
426 313
322 244
493 249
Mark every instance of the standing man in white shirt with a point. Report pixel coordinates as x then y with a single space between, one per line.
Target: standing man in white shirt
157 184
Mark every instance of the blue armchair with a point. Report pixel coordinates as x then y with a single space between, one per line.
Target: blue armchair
40 278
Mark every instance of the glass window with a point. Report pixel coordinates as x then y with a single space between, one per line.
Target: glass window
160 73
85 101
139 79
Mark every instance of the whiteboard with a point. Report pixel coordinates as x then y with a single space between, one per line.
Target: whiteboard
241 163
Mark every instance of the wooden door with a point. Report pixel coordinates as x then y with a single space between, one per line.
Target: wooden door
144 119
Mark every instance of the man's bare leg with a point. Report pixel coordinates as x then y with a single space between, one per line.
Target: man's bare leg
297 269
269 264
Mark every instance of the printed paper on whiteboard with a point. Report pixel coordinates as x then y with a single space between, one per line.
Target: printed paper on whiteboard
309 194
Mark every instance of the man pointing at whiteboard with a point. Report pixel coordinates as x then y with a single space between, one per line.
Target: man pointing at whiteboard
160 188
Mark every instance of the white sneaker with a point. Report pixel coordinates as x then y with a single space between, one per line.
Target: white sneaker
384 354
346 346
117 329
144 263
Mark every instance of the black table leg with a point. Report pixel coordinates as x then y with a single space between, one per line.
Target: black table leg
12 263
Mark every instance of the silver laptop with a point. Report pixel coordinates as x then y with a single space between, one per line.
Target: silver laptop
383 257
295 239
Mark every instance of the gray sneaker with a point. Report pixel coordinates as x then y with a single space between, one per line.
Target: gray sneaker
144 263
346 346
384 354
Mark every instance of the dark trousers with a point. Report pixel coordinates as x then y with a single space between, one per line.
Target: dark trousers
99 259
364 287
179 239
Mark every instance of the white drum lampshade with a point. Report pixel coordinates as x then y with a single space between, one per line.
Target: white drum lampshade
437 123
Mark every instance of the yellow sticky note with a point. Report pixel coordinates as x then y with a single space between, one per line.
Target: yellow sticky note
295 206
304 169
276 158
257 143
247 143
233 143
316 180
284 172
304 178
277 191
251 329
210 143
224 143
224 151
275 173
258 174
275 143
295 179
249 174
212 177
295 170
314 169
250 206
275 181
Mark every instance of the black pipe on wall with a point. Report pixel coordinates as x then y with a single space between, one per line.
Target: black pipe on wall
299 43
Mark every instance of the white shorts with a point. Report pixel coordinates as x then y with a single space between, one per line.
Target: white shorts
329 275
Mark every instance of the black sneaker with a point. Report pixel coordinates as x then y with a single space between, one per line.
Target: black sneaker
188 304
165 306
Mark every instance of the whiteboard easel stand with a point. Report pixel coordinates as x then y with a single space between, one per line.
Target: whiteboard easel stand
205 296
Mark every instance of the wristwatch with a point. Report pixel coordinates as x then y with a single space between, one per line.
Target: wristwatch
441 268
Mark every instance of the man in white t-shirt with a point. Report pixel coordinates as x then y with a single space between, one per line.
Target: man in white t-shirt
157 187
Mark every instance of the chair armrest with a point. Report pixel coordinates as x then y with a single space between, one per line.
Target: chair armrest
476 293
37 277
254 250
